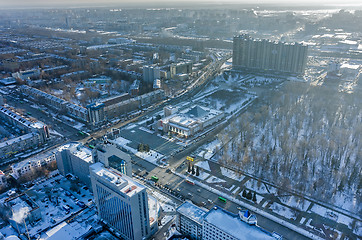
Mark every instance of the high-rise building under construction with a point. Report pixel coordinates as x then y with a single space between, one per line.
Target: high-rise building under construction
268 56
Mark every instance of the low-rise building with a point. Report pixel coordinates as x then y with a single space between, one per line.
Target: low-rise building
111 155
190 121
23 210
34 133
218 224
189 220
31 164
59 104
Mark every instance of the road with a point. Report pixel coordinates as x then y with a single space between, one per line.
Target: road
199 195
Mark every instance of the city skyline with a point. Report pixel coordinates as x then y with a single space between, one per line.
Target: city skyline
175 3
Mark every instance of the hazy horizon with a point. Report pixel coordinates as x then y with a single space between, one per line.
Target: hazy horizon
168 3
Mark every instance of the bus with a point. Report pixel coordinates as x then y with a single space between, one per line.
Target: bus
91 146
190 182
222 199
154 178
81 133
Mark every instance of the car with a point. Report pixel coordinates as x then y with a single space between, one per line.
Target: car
189 194
210 201
199 190
81 204
179 190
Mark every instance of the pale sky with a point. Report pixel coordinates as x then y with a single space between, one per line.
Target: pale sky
142 3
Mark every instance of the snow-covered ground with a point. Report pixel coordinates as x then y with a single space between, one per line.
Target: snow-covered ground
252 184
56 203
204 165
295 202
255 209
231 174
146 130
214 179
151 156
203 175
166 207
208 150
324 212
282 210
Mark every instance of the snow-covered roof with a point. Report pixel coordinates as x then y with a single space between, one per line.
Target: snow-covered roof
17 139
192 211
64 230
233 225
35 159
78 150
125 184
191 116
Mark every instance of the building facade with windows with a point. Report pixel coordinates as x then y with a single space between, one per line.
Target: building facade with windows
189 220
74 158
34 133
268 56
111 155
218 224
31 164
122 203
189 121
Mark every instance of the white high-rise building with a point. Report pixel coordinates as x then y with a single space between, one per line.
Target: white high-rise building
122 203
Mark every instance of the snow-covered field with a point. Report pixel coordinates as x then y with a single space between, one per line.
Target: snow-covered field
341 218
204 165
252 184
203 175
214 179
231 174
282 210
295 202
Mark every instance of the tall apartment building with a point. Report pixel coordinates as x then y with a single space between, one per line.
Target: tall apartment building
150 73
122 203
183 67
268 56
96 113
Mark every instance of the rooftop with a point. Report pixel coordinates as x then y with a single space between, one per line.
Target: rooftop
30 160
233 225
78 150
192 211
125 184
